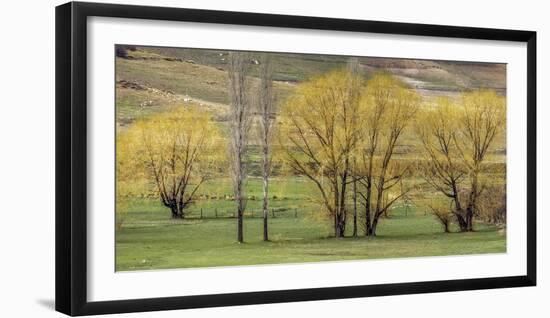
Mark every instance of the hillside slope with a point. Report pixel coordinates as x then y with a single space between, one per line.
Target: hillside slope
152 78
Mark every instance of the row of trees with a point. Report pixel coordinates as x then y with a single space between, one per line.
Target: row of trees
242 109
340 131
181 149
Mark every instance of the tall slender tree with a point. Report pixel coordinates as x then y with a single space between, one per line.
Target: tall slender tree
267 115
240 126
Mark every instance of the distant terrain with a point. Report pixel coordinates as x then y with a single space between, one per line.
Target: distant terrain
151 77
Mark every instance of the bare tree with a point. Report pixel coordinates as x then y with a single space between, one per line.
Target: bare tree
240 127
266 108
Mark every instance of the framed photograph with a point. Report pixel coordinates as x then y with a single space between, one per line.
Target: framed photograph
208 158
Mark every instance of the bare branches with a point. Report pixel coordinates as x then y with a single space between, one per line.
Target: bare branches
240 126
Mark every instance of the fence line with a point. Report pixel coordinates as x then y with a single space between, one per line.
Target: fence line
216 213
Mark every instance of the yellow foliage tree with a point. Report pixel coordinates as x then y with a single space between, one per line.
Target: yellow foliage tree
177 151
319 131
389 107
482 118
437 128
457 137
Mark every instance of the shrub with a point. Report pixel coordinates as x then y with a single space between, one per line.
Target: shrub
491 206
442 213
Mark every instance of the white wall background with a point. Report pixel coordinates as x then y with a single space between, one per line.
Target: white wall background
27 158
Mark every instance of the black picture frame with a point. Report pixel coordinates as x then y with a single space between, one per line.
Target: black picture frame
71 157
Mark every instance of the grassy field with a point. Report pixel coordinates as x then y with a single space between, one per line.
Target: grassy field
299 232
150 240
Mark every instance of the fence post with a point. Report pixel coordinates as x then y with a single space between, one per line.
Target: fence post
273 213
216 212
201 213
295 213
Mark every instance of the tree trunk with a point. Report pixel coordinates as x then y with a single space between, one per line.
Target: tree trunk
373 226
181 209
265 202
461 221
340 225
368 229
176 214
336 208
341 207
377 211
354 206
240 228
367 207
470 219
240 212
472 202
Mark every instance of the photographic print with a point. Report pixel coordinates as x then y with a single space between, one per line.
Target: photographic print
231 158
224 158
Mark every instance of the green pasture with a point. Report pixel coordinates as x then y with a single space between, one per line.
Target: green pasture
149 239
211 242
